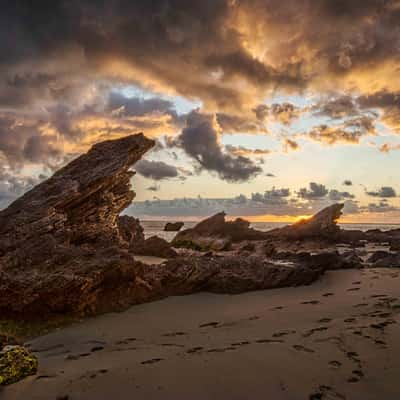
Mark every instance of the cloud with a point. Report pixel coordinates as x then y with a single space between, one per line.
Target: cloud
244 151
382 207
337 107
290 145
347 182
315 191
349 132
272 196
387 148
199 139
336 195
157 170
384 192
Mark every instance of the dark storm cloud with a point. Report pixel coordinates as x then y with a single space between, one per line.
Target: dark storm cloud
157 170
136 106
272 196
384 192
199 140
315 191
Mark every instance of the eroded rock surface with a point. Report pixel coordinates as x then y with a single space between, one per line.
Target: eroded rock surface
65 249
215 233
60 246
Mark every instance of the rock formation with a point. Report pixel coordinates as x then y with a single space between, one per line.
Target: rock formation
173 226
321 225
65 249
215 233
154 246
60 246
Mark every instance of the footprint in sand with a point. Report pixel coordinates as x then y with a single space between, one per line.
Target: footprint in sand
221 350
314 330
96 348
299 347
354 289
277 308
173 334
283 333
270 341
244 343
325 320
328 294
326 392
208 324
335 364
194 349
152 361
360 305
312 302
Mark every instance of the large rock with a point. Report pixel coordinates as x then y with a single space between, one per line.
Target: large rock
64 248
173 226
60 246
227 274
322 225
154 246
215 233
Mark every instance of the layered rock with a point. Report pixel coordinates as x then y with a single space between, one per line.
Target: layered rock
60 246
65 249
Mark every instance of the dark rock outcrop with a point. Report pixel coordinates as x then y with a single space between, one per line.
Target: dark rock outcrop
60 246
384 259
173 226
64 248
154 246
227 274
215 233
322 225
130 229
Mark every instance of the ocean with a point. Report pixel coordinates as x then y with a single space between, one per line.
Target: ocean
155 227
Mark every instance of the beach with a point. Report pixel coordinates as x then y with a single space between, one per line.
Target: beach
334 339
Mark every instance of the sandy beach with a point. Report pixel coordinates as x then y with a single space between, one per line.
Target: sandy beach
335 339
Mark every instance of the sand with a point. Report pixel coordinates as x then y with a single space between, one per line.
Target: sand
335 339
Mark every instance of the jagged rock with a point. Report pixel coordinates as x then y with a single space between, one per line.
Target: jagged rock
326 260
173 226
384 259
130 229
215 233
64 248
227 274
60 246
154 246
321 225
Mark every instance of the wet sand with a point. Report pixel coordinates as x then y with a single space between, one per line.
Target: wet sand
335 339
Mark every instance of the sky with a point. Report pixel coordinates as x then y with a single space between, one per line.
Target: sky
265 109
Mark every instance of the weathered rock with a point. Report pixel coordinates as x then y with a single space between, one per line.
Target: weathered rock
60 246
321 225
384 259
330 260
154 246
130 229
16 363
215 233
173 226
64 248
227 274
